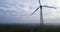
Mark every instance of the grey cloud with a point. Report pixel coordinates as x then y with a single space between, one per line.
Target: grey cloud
16 11
52 20
13 12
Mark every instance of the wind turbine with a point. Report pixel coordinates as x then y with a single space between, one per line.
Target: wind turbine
41 13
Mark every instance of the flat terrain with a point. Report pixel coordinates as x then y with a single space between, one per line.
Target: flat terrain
28 28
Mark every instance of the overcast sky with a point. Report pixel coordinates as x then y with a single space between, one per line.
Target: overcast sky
18 11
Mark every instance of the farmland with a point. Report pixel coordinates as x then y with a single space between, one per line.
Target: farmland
28 28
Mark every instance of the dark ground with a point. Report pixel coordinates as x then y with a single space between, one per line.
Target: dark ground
28 28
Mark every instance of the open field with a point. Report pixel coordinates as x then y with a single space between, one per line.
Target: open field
28 28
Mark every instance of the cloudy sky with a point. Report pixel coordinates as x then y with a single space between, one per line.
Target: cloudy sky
18 11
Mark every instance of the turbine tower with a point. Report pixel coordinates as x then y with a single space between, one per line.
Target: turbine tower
41 13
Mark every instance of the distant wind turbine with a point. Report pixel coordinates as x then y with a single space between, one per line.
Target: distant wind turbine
41 13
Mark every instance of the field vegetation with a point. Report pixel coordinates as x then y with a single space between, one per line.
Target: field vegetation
28 28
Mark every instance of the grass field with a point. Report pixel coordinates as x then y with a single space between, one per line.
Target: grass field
28 28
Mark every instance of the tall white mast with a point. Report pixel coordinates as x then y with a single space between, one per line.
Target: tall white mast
41 13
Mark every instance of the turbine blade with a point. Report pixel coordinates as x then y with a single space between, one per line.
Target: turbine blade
35 10
39 2
49 7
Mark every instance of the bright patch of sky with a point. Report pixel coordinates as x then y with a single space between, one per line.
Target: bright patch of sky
18 11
